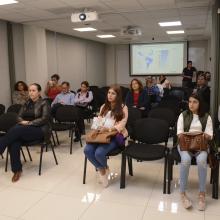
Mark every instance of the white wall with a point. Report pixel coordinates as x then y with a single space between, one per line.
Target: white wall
118 55
19 56
5 94
76 60
35 55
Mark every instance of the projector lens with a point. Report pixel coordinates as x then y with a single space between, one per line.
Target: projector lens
82 17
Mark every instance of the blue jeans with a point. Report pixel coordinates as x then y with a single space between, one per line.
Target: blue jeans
96 153
201 160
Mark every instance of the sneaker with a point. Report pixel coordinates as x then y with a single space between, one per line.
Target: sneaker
186 201
201 203
104 180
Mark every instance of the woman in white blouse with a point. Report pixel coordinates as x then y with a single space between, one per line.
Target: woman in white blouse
113 116
196 120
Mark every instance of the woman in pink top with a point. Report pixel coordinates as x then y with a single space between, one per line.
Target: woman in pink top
113 116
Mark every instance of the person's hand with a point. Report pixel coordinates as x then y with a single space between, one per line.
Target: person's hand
24 122
134 106
142 108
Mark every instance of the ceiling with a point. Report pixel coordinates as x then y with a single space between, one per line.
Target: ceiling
54 15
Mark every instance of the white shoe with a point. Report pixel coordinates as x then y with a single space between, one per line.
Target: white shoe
104 180
201 203
186 201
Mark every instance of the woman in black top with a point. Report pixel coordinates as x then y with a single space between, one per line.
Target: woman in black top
32 126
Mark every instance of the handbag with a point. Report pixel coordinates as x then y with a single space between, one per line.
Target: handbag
193 141
99 137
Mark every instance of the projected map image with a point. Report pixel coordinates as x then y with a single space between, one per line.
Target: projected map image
161 58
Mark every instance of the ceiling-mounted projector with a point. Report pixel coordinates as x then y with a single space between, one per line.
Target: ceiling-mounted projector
84 16
131 31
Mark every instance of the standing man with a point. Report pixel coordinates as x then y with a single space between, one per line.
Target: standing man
188 73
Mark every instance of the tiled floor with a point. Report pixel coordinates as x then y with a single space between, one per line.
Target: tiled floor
59 193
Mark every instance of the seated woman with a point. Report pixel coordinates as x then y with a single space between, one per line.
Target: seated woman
194 120
82 99
164 82
32 125
53 88
137 97
20 94
83 96
113 115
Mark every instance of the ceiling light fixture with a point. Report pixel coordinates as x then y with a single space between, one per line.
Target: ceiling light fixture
85 29
176 32
169 24
105 36
7 2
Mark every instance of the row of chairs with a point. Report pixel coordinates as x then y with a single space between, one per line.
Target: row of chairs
146 146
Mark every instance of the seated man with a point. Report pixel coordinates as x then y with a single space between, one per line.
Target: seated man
64 98
203 90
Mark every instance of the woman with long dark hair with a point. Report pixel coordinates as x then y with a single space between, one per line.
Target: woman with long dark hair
195 119
112 117
137 97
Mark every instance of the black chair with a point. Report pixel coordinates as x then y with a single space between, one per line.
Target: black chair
149 133
2 109
66 119
174 158
7 121
167 115
14 108
124 91
133 115
172 103
115 152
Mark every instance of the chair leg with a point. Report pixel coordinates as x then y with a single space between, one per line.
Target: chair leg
54 155
71 142
6 161
53 139
22 152
84 171
170 174
215 182
57 138
165 175
130 166
80 141
29 154
123 171
41 155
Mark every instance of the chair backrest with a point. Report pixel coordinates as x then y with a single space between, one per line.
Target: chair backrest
151 130
172 103
133 115
163 114
124 91
14 108
7 120
2 109
177 92
67 113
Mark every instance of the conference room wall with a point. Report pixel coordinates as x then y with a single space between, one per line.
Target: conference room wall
5 94
18 48
117 62
75 59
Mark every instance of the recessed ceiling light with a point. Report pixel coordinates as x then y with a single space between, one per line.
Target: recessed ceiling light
171 23
7 2
176 32
105 36
85 29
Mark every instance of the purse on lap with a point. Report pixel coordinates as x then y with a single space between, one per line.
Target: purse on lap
193 141
99 137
